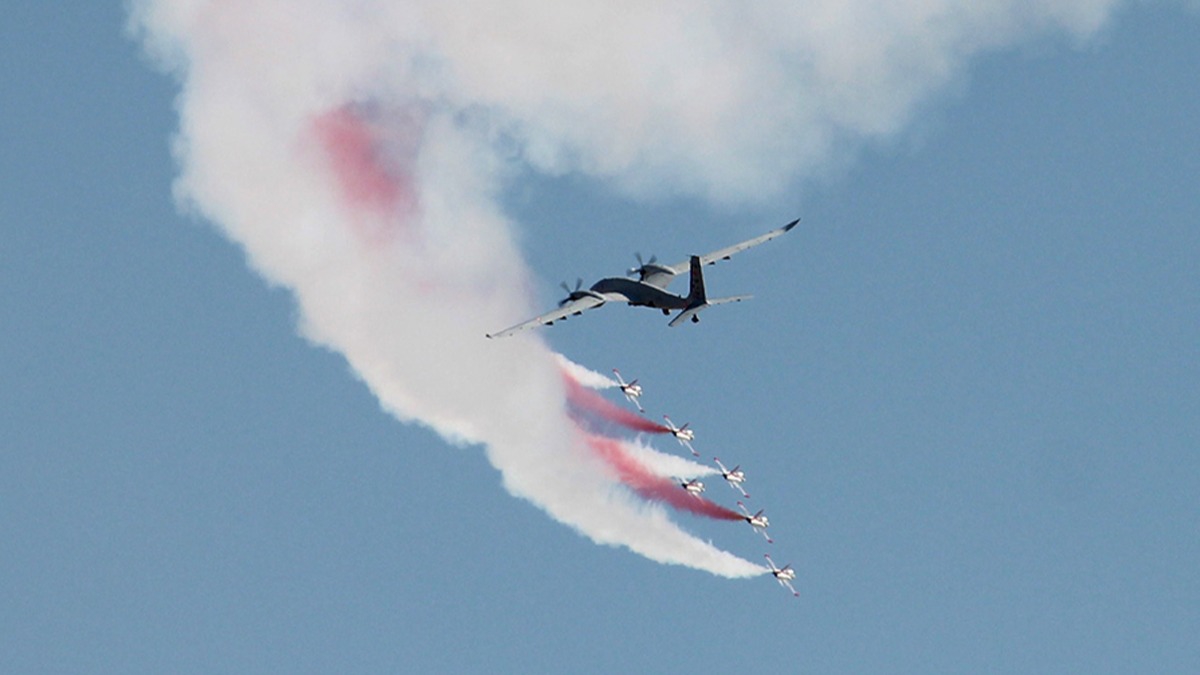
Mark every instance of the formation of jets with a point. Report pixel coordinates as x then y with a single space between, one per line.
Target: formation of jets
735 477
648 289
646 286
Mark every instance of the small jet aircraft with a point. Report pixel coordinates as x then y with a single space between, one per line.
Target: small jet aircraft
694 487
735 478
757 521
649 289
632 390
784 575
682 434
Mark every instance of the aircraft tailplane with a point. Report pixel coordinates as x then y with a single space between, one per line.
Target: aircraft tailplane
693 310
698 299
732 298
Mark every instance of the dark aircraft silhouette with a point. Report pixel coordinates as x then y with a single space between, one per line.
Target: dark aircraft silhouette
649 289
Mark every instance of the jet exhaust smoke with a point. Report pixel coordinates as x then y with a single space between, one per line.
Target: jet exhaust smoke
358 151
644 482
663 464
594 410
585 376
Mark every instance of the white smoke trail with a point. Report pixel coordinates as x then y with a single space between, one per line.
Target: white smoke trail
404 290
357 150
585 376
660 463
663 464
728 100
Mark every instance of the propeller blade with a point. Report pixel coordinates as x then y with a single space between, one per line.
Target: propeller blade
641 268
569 291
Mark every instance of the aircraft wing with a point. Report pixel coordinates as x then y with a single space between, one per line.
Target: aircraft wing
573 307
725 253
662 276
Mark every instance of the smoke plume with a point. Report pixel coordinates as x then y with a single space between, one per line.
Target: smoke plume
597 412
357 151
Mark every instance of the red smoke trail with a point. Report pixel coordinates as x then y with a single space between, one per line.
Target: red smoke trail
589 401
650 486
370 157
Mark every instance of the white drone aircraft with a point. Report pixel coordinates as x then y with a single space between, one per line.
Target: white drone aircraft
682 434
694 487
649 289
735 478
784 575
757 521
632 390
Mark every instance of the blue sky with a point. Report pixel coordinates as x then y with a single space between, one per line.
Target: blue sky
965 392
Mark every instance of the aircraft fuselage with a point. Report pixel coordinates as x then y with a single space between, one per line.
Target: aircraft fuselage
640 294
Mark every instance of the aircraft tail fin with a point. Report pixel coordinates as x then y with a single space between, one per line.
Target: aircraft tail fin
698 298
697 295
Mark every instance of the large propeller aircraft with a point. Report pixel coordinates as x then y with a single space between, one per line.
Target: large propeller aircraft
649 289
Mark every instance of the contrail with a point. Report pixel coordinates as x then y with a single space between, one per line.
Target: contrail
359 152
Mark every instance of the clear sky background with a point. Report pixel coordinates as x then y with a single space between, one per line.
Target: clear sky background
966 392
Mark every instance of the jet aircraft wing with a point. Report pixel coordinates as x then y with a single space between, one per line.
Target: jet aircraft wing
725 253
577 306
